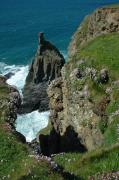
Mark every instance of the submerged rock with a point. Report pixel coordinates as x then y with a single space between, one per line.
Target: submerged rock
9 75
45 67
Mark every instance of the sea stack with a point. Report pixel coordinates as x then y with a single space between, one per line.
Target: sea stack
45 67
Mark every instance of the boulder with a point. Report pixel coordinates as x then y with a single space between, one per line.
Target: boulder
9 75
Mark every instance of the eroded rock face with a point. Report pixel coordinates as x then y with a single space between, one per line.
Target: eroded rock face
45 67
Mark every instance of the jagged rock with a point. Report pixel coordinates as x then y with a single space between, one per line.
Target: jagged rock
45 67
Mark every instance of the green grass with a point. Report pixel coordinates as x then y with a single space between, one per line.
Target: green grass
103 52
15 162
82 166
42 171
12 153
114 105
111 135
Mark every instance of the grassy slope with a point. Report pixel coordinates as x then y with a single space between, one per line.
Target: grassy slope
103 160
102 52
15 162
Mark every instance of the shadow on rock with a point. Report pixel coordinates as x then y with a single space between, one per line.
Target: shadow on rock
54 143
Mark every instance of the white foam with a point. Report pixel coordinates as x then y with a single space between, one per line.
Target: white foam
20 73
30 124
4 68
19 78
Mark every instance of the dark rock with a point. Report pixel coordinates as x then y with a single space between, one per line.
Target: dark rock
20 137
35 146
49 143
104 76
13 105
9 75
54 143
45 67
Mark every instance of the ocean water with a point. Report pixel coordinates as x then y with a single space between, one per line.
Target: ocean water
30 124
20 22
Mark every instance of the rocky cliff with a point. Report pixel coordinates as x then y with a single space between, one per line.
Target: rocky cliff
45 67
84 101
103 21
10 102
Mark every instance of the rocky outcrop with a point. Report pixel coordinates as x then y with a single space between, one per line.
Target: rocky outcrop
80 98
103 21
10 102
72 115
45 67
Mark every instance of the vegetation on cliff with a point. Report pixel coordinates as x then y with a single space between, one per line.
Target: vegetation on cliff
16 159
84 105
86 98
88 164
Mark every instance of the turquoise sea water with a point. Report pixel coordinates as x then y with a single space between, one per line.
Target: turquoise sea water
21 20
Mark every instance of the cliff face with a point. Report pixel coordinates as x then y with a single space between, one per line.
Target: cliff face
45 67
82 101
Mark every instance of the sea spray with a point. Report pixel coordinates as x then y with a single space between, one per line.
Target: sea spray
27 124
30 124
